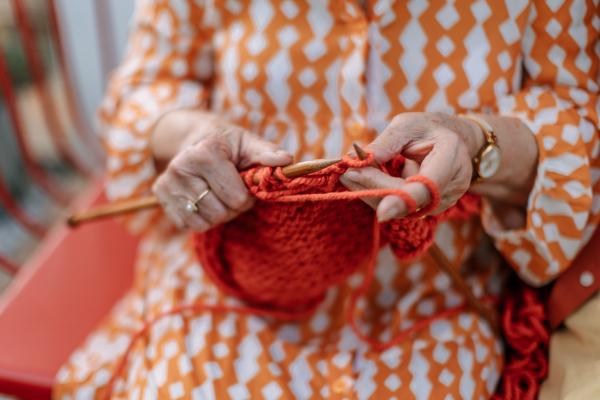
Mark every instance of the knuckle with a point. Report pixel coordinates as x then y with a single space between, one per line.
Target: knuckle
403 118
214 215
157 187
398 118
202 158
237 202
246 206
436 116
368 181
176 169
205 146
197 224
210 148
160 188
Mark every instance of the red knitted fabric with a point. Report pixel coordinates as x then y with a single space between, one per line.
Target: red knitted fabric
299 239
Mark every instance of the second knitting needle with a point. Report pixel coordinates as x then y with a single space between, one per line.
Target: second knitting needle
362 154
114 209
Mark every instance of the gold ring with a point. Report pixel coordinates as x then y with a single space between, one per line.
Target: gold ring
192 206
202 195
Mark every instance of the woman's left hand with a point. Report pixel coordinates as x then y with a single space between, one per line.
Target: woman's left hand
436 145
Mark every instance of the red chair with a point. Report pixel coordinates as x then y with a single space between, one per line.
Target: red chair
75 276
58 297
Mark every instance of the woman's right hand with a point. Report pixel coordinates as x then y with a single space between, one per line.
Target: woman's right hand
209 155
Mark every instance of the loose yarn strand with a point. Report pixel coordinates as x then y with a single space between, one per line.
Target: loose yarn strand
285 315
377 346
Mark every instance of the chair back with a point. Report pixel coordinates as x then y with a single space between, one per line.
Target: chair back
54 58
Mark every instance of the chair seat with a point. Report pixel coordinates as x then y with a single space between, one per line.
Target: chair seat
59 297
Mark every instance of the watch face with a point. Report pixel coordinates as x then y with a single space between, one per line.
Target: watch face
490 161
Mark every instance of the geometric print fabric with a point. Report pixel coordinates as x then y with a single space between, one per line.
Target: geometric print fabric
315 76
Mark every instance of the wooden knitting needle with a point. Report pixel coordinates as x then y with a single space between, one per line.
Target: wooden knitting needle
442 262
302 168
122 207
362 154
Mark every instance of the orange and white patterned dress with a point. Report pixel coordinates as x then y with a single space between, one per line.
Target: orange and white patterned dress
314 76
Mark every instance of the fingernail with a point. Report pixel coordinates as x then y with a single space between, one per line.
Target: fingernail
352 175
284 153
391 213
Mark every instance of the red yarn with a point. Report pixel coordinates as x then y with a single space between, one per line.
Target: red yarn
306 234
297 242
524 324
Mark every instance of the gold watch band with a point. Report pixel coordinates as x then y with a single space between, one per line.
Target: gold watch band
490 138
488 131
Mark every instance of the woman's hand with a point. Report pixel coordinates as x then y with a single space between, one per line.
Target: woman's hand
440 147
209 156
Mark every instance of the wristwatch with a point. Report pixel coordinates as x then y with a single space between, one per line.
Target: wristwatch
487 161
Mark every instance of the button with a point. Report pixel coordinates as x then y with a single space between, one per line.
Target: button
586 279
338 386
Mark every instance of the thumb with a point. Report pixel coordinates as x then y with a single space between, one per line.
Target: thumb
387 146
255 150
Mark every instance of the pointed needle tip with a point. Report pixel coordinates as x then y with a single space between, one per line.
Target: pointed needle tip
362 154
308 167
318 165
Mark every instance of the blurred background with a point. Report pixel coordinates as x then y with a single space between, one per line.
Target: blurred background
54 58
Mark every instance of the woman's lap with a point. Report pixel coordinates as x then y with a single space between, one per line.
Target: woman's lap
229 355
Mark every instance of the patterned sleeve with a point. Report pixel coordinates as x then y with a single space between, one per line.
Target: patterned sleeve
560 104
167 64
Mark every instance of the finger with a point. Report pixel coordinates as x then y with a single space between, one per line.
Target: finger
372 178
184 192
195 221
174 217
255 150
220 174
439 166
394 206
390 142
410 168
372 202
442 161
214 211
210 207
173 196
